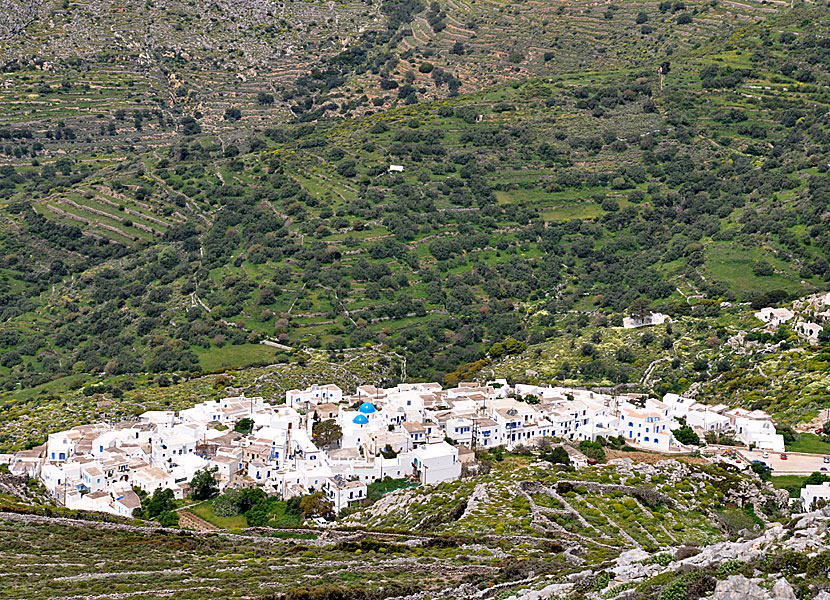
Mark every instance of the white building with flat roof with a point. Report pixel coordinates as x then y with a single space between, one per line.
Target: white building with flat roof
774 316
343 493
811 495
644 321
313 395
434 463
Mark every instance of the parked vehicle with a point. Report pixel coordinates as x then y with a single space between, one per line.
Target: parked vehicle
783 456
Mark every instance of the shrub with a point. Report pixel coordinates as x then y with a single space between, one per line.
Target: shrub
226 504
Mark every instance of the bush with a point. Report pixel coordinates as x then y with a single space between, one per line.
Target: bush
558 456
257 515
685 435
169 518
233 114
226 504
204 485
592 450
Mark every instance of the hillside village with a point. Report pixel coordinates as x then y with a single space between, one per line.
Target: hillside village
324 440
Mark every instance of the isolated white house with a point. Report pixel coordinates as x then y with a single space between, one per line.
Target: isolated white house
396 168
649 319
809 330
774 316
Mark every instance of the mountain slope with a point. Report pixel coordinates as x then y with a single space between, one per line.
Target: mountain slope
591 190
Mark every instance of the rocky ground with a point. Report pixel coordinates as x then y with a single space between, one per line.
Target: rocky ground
632 571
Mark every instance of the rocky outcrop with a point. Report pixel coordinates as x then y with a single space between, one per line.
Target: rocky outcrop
738 587
632 567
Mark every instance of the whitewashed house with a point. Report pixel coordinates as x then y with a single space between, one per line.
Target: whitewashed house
774 316
702 417
434 463
316 394
342 493
125 503
647 428
809 330
678 405
644 321
813 494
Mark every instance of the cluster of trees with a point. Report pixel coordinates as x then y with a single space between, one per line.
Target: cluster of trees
252 503
480 258
161 507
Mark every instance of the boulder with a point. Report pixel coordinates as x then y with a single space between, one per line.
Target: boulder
738 587
782 590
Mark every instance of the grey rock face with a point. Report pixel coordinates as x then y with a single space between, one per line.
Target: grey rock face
783 590
738 587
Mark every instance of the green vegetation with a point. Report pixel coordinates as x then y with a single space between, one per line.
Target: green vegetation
810 443
542 187
183 217
616 507
249 508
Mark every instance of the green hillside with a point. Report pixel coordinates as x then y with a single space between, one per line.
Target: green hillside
589 182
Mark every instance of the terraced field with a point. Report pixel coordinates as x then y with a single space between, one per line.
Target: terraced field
46 559
523 526
591 181
600 510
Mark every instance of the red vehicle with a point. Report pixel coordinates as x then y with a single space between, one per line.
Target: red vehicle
819 431
783 456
